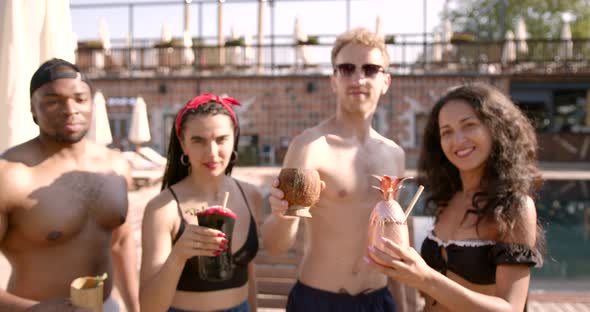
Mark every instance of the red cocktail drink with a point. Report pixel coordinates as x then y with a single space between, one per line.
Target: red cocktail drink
217 268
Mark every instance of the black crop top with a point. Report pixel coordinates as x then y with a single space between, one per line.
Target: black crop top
475 260
189 279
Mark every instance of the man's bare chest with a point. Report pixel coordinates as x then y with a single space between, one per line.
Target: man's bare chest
62 206
349 174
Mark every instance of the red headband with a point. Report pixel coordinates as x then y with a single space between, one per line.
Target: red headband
227 102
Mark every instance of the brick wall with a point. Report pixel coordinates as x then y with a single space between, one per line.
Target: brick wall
276 108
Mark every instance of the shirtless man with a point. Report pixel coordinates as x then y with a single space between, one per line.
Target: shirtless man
346 151
63 202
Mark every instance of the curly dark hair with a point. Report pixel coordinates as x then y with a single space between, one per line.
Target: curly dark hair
510 173
175 171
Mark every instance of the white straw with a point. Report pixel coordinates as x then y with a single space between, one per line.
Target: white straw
225 199
413 203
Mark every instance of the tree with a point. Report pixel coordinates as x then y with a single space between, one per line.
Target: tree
490 19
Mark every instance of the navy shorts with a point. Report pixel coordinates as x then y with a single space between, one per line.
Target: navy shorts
243 307
303 298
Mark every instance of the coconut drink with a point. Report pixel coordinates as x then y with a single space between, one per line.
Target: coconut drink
388 218
301 188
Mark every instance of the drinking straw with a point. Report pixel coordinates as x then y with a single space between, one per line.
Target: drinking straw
225 199
413 202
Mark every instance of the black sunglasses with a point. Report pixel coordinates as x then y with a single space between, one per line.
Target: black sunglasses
346 70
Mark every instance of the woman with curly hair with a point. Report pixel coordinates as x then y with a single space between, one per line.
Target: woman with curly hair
478 162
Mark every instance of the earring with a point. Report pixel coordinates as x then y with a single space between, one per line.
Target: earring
233 158
184 160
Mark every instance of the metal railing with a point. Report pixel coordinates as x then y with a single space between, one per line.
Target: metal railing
408 57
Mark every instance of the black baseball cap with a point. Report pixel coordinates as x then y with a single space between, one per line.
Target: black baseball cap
55 69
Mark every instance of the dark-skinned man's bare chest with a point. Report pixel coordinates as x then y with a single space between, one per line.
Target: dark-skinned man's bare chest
76 205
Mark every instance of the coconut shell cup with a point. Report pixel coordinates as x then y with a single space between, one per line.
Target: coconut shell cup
301 188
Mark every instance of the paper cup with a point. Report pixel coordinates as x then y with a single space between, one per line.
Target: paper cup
87 292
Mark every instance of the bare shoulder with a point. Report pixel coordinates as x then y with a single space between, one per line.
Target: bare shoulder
119 161
525 229
388 148
387 143
26 154
304 146
159 216
10 170
248 187
308 137
112 159
15 175
160 202
254 196
251 190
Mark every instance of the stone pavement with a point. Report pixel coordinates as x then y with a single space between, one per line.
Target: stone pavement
546 296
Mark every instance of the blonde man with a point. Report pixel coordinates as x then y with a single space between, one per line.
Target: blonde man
346 151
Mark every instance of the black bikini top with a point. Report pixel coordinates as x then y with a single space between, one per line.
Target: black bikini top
189 279
475 260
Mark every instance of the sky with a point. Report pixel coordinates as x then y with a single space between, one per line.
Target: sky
323 17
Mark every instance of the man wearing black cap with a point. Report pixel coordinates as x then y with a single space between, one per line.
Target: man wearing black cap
63 202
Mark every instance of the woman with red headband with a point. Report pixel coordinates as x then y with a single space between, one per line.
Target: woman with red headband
201 155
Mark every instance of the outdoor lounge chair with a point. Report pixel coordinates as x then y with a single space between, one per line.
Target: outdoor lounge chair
152 155
144 171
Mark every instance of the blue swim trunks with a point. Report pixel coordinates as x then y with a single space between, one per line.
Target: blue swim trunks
303 298
243 307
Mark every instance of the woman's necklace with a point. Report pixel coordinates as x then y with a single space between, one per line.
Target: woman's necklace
207 199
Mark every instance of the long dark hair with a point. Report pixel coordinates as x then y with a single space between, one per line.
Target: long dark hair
175 170
510 173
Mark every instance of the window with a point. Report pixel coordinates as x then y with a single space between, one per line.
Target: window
120 123
538 113
569 113
421 121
